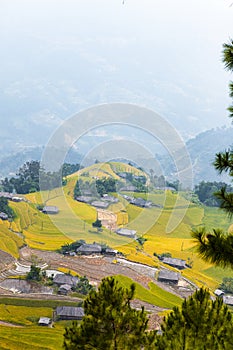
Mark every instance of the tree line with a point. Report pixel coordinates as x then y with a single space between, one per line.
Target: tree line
31 177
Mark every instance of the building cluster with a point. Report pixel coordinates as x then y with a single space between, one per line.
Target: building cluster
102 203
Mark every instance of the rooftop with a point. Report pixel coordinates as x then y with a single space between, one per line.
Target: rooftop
71 311
168 275
126 232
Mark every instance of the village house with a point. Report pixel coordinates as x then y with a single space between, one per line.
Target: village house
89 249
168 276
110 199
110 252
100 204
228 299
49 209
64 289
140 202
84 199
62 279
44 321
177 263
126 232
219 292
128 189
3 216
69 313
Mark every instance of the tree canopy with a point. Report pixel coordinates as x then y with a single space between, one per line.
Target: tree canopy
110 322
217 246
200 324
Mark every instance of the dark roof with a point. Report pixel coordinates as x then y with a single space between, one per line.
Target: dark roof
126 232
89 248
50 209
174 262
84 199
100 204
110 251
65 279
70 311
66 287
140 202
168 275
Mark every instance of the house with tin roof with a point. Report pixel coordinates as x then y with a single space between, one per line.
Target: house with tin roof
63 279
50 209
69 313
126 232
168 276
177 263
89 249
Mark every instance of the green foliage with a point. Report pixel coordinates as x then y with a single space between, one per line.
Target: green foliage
215 247
105 185
72 247
97 223
34 274
4 207
200 324
77 191
83 286
68 169
109 321
227 285
31 178
141 240
206 192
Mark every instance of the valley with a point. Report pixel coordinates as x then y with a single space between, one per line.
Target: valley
36 237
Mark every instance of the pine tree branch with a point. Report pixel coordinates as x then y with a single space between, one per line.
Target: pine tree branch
215 247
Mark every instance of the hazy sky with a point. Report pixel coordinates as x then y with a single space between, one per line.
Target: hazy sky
163 54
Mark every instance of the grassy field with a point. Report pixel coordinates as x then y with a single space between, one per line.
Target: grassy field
28 338
74 221
154 295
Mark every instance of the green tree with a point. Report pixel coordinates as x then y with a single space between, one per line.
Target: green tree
110 322
5 208
34 274
83 286
217 246
200 324
97 223
227 285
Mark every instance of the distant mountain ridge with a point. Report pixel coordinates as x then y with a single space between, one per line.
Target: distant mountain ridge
202 150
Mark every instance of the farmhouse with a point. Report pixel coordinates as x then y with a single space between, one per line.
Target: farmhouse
64 289
69 313
111 252
44 321
3 216
84 199
126 232
65 279
219 292
140 202
89 249
177 263
168 277
100 204
128 189
110 199
228 299
50 209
